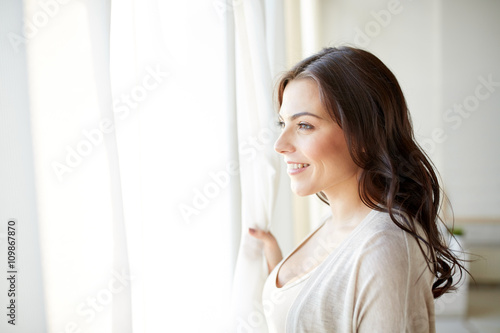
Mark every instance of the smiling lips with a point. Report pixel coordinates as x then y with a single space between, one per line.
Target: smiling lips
294 168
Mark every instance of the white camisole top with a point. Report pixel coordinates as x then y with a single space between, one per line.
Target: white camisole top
277 301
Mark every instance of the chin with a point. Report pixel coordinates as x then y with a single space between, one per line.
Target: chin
301 192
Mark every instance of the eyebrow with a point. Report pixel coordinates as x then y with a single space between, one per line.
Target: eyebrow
300 114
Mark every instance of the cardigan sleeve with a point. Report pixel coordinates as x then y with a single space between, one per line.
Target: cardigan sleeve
392 292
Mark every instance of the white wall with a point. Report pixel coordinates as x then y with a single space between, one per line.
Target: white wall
471 51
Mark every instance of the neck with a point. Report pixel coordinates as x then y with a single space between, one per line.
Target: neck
347 208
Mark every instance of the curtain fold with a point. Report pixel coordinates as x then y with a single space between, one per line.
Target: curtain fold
170 107
128 193
259 164
100 57
83 237
230 89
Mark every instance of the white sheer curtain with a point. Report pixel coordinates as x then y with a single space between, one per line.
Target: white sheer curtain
83 245
136 165
259 36
132 169
167 60
168 110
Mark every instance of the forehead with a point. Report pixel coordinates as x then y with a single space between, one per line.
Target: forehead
301 95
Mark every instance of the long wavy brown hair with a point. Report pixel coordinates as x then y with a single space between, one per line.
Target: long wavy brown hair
363 96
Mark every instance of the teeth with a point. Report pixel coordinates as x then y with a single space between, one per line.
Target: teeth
297 166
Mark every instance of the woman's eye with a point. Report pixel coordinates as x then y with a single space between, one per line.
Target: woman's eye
305 126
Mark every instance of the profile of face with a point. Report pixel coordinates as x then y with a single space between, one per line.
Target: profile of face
312 143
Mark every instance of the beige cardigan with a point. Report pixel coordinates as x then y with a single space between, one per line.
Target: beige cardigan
377 280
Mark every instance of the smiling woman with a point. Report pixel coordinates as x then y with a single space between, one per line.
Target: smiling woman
377 262
312 144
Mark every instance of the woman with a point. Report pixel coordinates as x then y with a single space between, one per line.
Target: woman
377 262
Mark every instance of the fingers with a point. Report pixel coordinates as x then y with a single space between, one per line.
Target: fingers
260 234
272 250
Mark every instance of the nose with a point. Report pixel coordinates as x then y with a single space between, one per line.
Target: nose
283 144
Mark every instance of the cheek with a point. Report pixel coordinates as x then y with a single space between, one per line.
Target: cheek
327 147
332 152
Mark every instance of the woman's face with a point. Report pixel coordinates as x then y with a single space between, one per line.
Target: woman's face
312 144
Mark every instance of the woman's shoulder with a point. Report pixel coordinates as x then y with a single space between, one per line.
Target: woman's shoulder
381 234
381 224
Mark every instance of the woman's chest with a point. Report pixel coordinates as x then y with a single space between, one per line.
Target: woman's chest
307 257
